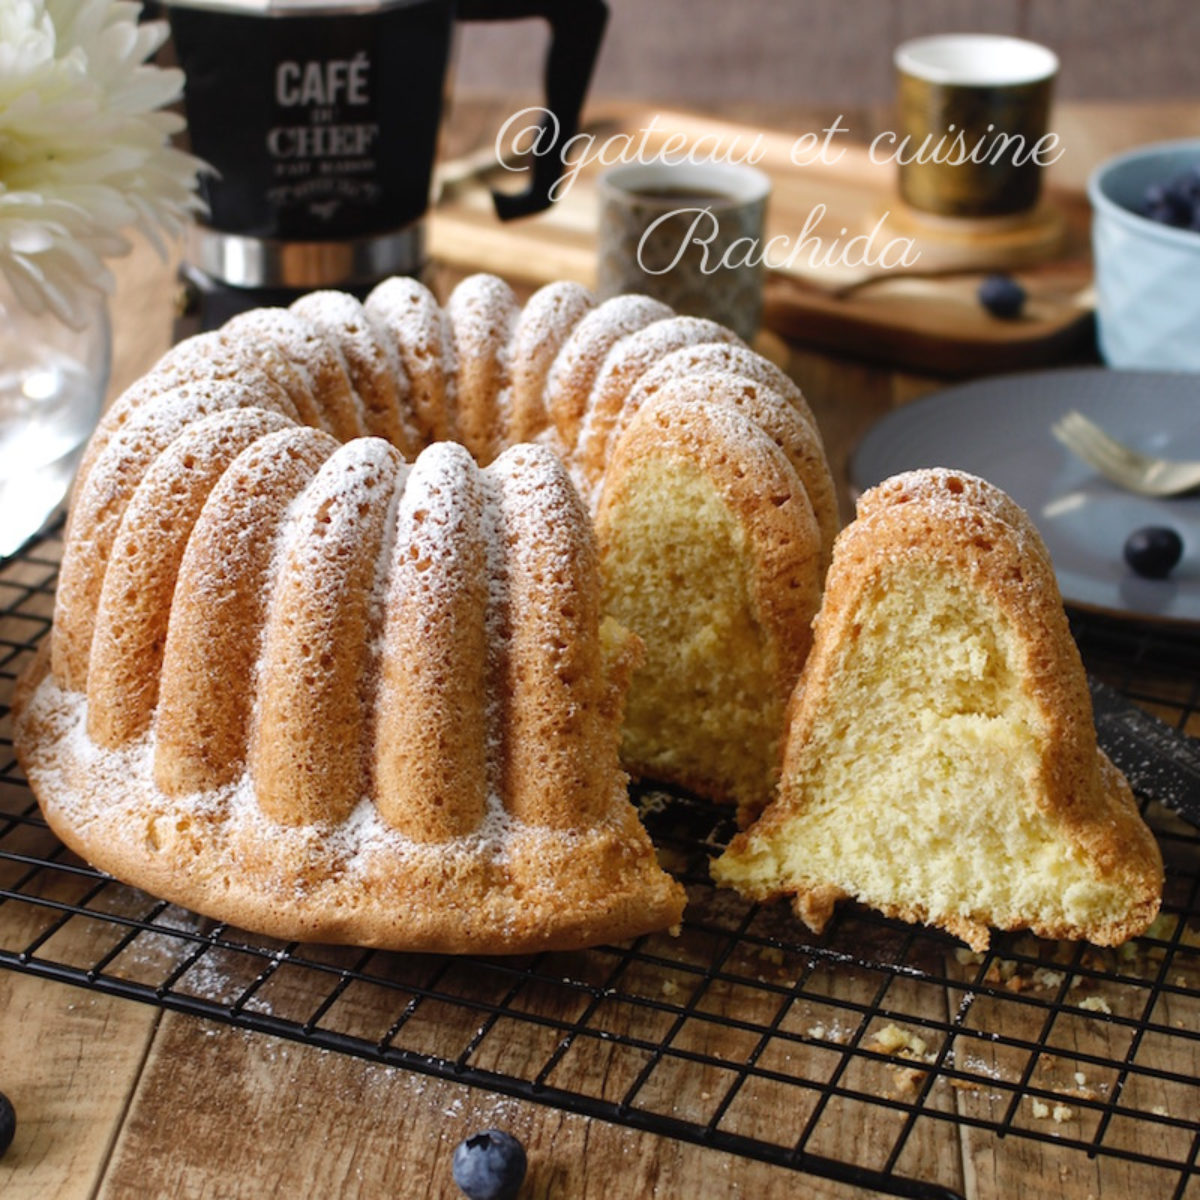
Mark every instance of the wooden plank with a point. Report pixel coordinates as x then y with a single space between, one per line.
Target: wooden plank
843 1087
68 1061
1157 1115
221 1113
697 51
705 52
1094 131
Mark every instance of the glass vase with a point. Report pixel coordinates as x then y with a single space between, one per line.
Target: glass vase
52 384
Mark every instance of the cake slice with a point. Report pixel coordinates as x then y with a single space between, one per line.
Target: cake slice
710 553
941 763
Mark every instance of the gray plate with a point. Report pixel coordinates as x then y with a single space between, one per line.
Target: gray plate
999 428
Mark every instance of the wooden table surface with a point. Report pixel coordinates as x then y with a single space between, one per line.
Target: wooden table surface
120 1099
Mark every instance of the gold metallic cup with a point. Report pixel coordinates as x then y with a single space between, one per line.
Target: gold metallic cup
983 98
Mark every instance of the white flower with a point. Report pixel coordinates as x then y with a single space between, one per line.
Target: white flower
83 152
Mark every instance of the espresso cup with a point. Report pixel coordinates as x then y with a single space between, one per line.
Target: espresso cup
973 111
688 234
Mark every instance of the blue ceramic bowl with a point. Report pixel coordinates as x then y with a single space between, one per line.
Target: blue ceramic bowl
1147 274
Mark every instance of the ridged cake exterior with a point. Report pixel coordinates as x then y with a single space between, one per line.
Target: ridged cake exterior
387 711
333 652
941 760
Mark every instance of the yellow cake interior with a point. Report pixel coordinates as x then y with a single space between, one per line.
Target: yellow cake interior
697 702
918 786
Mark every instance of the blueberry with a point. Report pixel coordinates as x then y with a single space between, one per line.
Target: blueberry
1175 202
489 1165
8 1123
1152 552
1155 195
1188 184
1167 212
1002 296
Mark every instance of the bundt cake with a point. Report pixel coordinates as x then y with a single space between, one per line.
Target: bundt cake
332 657
941 761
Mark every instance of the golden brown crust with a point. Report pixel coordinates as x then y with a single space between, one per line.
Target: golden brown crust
544 325
201 362
302 355
782 423
582 356
418 328
133 442
314 673
737 359
434 637
285 847
523 893
202 727
482 312
328 400
139 586
734 374
559 755
626 362
372 363
815 905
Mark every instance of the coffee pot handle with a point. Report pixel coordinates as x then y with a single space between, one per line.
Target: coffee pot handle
577 29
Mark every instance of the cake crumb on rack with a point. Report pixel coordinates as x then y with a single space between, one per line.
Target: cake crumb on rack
904 1044
891 1039
1045 978
820 1032
1003 971
907 1080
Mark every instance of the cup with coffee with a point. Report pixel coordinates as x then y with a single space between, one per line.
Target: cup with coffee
689 234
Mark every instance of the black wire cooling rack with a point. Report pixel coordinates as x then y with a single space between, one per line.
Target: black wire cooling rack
744 1033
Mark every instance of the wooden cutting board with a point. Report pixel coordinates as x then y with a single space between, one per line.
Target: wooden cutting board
923 317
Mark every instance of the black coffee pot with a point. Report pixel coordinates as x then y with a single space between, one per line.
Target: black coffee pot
320 121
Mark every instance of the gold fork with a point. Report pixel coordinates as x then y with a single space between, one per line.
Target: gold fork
1137 472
